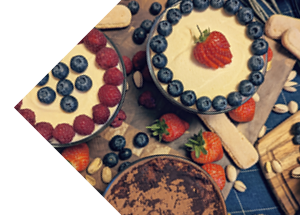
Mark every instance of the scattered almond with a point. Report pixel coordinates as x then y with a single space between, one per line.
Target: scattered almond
268 167
276 166
292 75
280 108
231 173
255 97
290 89
127 86
269 65
91 180
138 79
240 186
293 107
106 175
296 172
94 166
262 131
290 84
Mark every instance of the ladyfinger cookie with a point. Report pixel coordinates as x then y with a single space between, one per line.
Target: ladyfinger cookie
234 142
118 17
290 40
277 24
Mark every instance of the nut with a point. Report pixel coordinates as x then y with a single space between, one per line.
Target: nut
91 180
293 107
280 108
94 166
290 89
292 75
138 79
296 172
290 84
240 186
268 167
276 166
262 131
231 173
127 86
255 97
269 65
106 175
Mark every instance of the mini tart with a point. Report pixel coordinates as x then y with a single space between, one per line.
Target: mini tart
203 81
54 114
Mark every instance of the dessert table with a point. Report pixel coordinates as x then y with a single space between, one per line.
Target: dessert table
259 197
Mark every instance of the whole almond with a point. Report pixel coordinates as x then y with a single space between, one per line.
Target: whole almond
255 97
262 131
138 79
94 166
290 84
296 172
127 86
91 180
293 107
292 75
290 89
276 166
269 65
280 108
231 173
268 167
240 186
106 175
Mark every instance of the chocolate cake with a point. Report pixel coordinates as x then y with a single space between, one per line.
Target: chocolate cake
165 185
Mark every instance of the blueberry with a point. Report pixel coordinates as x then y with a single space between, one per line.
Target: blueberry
139 35
146 25
158 44
174 15
186 7
246 88
164 28
44 80
46 95
245 15
110 159
69 103
203 103
165 75
256 78
123 166
188 98
219 103
125 154
259 47
79 63
201 5
141 139
171 2
155 8
64 87
296 128
117 143
175 88
256 63
231 6
159 60
60 71
134 7
234 99
255 30
296 139
216 3
83 83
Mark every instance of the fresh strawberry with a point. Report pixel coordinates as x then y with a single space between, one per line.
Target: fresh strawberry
212 49
109 95
217 172
113 76
243 113
78 156
169 127
206 147
270 54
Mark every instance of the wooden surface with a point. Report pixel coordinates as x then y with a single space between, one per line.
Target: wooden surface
278 145
139 117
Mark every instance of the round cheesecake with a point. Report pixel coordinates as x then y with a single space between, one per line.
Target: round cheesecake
165 185
194 76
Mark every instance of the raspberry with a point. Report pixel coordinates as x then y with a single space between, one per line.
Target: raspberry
107 58
146 74
128 64
118 120
18 106
83 125
63 133
94 40
147 100
101 114
45 129
113 76
139 60
29 115
109 95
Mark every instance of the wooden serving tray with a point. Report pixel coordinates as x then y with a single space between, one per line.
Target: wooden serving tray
277 144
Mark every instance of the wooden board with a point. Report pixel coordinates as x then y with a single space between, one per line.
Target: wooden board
277 144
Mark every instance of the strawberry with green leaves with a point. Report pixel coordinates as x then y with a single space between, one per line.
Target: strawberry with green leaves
169 127
206 147
217 172
243 113
212 49
78 156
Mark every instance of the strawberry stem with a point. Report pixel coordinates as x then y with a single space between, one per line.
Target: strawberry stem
197 144
159 128
203 35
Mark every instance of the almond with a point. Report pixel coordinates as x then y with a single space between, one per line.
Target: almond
262 131
280 108
293 107
268 167
290 84
290 89
276 166
231 173
292 75
106 175
240 186
255 97
138 79
296 172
